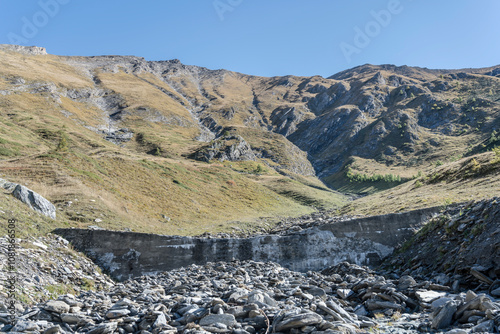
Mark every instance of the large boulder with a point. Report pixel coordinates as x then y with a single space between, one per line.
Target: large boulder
34 201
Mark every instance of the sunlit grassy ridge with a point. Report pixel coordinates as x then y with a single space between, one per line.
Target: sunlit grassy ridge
399 134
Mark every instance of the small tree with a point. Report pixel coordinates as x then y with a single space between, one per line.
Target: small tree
63 142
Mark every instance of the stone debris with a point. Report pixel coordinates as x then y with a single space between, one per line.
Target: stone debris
243 297
459 247
47 267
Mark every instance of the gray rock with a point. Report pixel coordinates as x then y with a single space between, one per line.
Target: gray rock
298 321
406 282
9 186
484 327
27 50
344 293
261 299
161 321
316 291
375 304
227 148
25 326
212 319
57 306
105 328
117 313
457 331
34 201
470 295
428 296
53 330
444 316
73 318
436 304
495 292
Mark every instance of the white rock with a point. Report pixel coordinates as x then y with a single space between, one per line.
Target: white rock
429 296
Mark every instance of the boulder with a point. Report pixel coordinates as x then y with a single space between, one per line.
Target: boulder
34 201
57 306
212 319
444 316
298 321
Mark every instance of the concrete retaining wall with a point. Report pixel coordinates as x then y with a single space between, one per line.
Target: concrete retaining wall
363 241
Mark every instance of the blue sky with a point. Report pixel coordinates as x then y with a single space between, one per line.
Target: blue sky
264 37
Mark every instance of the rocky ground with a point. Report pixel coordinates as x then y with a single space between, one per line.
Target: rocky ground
47 267
253 297
462 243
446 279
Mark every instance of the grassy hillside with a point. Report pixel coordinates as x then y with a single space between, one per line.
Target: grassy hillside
467 179
112 140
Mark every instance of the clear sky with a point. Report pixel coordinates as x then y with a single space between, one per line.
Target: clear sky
264 37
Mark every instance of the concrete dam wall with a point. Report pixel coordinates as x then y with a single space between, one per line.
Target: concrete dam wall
364 241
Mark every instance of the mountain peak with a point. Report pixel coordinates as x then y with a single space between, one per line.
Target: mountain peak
27 50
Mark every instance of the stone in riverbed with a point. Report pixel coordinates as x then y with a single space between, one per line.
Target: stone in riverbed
484 327
53 330
344 293
444 316
212 319
428 296
262 299
56 306
105 328
25 326
74 318
117 313
298 321
374 304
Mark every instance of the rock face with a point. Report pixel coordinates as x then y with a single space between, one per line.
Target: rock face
27 50
34 201
254 297
362 241
226 148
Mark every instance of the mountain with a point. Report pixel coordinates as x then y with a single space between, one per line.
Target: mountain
166 147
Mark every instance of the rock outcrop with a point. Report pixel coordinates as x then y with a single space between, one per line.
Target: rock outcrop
27 50
226 148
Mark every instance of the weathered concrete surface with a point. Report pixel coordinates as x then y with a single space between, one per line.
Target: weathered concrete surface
362 241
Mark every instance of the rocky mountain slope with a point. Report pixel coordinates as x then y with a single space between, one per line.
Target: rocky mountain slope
99 135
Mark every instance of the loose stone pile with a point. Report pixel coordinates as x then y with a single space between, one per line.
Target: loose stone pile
463 244
253 297
46 267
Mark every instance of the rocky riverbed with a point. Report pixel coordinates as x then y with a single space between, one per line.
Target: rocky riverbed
253 297
446 279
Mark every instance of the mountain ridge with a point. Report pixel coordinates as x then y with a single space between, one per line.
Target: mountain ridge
361 130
